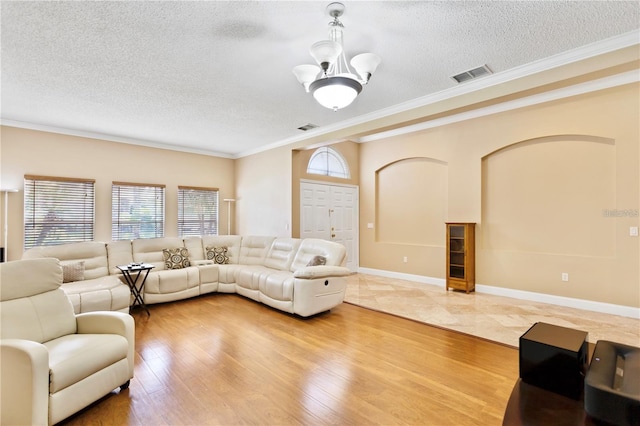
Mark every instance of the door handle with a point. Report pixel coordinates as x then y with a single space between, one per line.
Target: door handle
333 235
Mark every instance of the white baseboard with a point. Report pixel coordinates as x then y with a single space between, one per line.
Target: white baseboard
407 277
587 305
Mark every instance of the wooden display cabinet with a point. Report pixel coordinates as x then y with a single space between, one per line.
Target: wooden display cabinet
461 256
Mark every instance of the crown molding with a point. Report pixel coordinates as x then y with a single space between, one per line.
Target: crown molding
582 53
592 50
107 137
566 92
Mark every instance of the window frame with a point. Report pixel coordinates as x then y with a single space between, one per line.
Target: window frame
214 223
136 226
75 213
325 153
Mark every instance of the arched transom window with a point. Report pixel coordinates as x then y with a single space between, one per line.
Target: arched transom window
328 162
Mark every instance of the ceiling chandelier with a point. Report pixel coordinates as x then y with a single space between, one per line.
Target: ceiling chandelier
333 84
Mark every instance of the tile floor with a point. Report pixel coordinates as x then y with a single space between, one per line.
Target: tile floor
496 318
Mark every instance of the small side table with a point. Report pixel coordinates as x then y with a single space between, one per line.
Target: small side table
137 290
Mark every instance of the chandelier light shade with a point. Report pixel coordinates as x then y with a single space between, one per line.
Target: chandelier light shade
325 52
332 83
336 92
306 74
365 64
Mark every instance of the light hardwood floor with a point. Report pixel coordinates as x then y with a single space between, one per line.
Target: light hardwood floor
223 360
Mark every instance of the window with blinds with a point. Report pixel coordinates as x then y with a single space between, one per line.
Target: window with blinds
328 162
137 211
58 210
197 211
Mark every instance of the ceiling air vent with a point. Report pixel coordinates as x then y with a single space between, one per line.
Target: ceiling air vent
308 126
471 74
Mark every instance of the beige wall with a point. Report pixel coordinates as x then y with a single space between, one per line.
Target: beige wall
536 180
263 188
49 154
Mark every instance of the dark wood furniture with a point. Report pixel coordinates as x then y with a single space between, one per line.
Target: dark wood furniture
461 257
141 270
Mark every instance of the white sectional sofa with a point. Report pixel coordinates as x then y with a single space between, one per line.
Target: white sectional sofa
279 272
97 290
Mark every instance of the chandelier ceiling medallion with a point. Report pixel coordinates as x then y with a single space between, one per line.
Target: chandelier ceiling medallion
333 84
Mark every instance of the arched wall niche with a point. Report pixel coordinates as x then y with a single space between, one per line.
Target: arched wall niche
548 195
410 213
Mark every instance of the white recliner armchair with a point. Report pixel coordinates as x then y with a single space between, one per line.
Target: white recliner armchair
53 362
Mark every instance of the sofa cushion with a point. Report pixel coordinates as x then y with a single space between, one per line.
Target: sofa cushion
281 253
278 286
249 277
34 276
149 250
254 249
33 306
195 247
94 254
218 255
119 253
39 318
77 356
99 294
72 271
227 273
172 281
176 258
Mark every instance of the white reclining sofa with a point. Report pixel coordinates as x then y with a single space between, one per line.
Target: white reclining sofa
298 276
86 276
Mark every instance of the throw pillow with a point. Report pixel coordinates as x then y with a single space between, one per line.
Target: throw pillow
176 258
218 254
72 271
317 260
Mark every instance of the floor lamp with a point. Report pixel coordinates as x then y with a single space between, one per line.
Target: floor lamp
229 201
5 217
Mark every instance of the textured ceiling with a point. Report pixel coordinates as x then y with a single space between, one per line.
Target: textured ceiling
216 76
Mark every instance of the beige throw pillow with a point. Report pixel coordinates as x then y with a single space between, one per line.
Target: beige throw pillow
73 271
176 258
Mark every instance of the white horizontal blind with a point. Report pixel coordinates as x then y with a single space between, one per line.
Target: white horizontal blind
58 210
197 211
137 211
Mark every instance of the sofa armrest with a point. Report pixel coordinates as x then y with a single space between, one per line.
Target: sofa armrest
108 322
322 271
24 389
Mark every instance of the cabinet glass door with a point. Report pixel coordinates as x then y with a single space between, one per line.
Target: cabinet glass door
456 251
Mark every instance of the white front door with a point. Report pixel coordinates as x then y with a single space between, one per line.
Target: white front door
330 212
